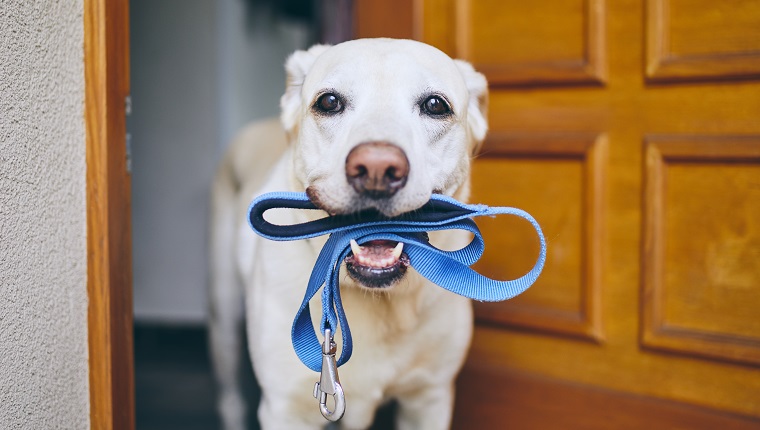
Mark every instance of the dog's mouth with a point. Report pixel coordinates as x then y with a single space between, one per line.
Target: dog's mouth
377 263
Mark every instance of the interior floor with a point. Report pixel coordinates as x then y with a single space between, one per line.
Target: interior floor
174 386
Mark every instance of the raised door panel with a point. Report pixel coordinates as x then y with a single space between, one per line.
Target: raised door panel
517 42
702 39
525 171
701 258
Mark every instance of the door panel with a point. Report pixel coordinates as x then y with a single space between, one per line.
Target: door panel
702 246
630 130
702 39
565 47
569 169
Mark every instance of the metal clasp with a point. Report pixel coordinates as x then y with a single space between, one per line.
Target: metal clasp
329 382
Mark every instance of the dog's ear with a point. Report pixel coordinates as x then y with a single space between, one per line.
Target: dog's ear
477 108
296 66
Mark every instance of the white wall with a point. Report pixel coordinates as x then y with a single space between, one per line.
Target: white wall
43 249
201 69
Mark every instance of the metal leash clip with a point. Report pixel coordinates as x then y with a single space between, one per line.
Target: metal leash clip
329 383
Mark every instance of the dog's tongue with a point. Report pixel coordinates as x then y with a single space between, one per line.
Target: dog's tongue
377 253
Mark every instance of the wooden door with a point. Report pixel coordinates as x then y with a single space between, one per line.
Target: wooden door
631 130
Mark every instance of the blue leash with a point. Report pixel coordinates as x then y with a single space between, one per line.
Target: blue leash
448 269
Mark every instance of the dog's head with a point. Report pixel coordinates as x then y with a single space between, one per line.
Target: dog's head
381 124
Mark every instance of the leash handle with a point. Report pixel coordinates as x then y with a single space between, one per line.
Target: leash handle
448 269
438 211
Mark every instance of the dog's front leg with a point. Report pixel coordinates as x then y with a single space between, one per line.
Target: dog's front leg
280 413
427 409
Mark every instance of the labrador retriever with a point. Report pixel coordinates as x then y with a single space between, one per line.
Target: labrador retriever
370 124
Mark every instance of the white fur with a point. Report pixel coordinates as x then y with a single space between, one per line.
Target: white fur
409 340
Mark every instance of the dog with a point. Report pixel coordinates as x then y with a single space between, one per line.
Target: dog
368 124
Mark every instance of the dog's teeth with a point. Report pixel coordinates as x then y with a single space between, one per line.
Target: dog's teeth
355 248
397 251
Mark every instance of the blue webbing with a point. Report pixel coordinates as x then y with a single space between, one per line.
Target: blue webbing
448 269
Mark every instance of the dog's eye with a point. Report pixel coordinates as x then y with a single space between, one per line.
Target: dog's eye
435 106
329 103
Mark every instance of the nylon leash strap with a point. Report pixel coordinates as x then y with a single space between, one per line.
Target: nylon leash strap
448 269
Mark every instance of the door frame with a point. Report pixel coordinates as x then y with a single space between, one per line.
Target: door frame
109 250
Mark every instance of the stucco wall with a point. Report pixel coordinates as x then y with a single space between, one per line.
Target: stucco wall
43 269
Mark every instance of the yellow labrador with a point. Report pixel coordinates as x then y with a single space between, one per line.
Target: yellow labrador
367 124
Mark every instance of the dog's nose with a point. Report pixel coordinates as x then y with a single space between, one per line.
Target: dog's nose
377 169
